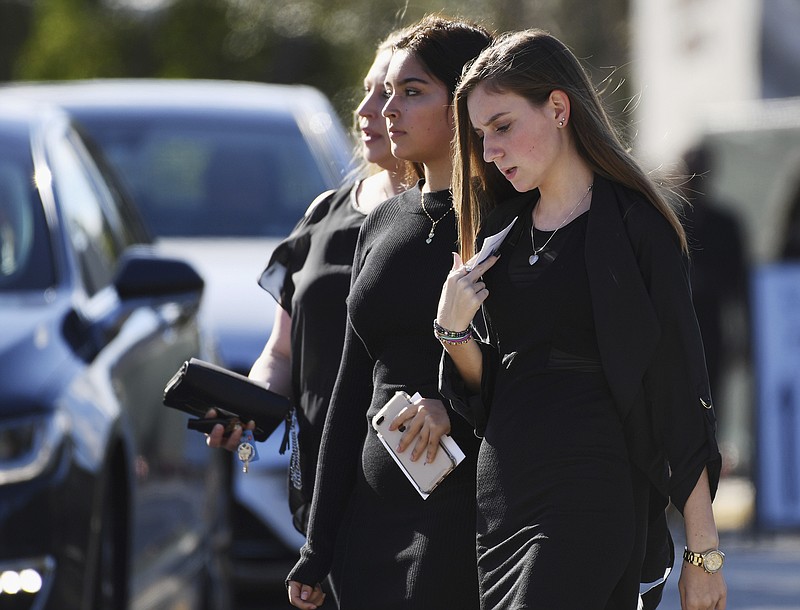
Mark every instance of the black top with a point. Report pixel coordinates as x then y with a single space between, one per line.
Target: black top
385 546
650 349
647 334
554 464
309 276
566 329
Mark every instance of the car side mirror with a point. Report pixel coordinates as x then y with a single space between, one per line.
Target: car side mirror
143 273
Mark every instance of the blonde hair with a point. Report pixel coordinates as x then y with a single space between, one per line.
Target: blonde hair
409 172
532 64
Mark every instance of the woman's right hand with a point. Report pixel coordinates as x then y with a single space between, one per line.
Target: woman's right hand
425 422
304 596
216 438
462 294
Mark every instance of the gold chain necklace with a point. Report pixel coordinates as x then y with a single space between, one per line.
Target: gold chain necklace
535 256
433 222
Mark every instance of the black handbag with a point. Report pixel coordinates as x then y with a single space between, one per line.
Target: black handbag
199 386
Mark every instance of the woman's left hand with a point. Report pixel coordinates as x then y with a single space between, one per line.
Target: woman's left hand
226 439
426 421
462 294
700 590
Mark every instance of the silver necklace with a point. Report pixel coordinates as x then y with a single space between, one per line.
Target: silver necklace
535 256
433 222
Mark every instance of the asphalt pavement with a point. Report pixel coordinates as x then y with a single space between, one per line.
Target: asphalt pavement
762 569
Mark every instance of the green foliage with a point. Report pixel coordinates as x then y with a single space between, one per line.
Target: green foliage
325 43
188 40
68 40
15 23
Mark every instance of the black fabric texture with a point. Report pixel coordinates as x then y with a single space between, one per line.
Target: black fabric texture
308 274
384 545
634 294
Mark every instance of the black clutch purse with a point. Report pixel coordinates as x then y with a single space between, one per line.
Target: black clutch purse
199 386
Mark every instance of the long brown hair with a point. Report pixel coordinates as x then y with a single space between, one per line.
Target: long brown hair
532 64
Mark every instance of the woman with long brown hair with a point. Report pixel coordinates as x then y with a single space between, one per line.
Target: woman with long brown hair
591 394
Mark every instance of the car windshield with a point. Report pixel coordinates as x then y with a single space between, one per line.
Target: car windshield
26 261
204 176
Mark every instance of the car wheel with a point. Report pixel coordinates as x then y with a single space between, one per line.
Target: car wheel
217 589
110 580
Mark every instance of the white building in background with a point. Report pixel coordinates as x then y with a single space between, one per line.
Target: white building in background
702 69
690 59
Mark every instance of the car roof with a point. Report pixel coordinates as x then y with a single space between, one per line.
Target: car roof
168 94
21 118
193 99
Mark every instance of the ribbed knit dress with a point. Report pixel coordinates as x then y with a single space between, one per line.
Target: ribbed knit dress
385 546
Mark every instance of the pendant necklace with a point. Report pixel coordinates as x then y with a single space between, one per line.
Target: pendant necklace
535 256
433 222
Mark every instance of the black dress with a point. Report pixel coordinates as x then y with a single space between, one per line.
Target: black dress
556 509
308 274
386 547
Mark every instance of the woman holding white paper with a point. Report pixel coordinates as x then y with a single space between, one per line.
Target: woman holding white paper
591 395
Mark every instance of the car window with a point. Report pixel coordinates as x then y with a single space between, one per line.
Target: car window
212 177
125 219
88 227
26 261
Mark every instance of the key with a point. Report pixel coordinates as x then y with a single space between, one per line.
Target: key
246 452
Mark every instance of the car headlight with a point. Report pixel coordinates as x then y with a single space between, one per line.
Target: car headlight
28 445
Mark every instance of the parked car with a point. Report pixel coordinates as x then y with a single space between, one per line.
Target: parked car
221 172
107 501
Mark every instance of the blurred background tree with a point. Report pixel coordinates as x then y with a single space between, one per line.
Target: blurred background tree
324 43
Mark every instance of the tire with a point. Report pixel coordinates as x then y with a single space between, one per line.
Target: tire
217 589
217 593
111 569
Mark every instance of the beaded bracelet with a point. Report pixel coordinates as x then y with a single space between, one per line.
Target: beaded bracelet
441 331
461 341
452 337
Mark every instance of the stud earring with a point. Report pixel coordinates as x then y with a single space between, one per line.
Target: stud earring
561 122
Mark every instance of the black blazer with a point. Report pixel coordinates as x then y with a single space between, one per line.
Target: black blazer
648 337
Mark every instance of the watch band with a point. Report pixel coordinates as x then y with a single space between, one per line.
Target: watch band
696 559
711 560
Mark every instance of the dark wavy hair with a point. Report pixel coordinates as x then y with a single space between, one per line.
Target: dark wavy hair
444 46
532 64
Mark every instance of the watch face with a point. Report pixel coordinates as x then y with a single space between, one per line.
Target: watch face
712 561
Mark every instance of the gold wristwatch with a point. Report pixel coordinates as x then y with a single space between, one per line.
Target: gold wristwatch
711 561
